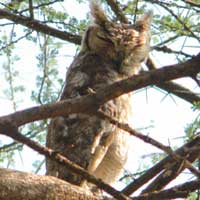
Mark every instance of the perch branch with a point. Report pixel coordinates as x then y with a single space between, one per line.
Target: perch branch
10 130
83 104
16 185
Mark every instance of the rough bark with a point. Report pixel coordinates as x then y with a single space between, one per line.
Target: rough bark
16 185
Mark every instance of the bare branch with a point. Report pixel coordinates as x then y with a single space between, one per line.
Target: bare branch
166 49
166 162
40 27
41 5
151 141
180 191
15 41
170 39
175 88
176 17
170 173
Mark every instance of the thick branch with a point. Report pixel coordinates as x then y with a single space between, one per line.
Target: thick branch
38 26
22 186
83 104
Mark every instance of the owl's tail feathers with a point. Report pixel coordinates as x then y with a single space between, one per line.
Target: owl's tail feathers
98 14
144 23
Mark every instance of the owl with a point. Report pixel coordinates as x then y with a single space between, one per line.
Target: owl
110 52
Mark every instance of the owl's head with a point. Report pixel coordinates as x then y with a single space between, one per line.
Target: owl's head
125 44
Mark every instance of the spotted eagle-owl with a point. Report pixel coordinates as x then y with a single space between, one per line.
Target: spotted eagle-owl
110 52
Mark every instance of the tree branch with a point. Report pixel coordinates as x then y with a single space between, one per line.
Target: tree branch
9 129
176 17
39 6
83 104
170 39
166 49
170 173
175 88
151 141
31 12
180 191
22 186
166 162
15 41
38 26
192 3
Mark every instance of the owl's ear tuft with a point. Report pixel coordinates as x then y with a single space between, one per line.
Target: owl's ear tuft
97 13
144 23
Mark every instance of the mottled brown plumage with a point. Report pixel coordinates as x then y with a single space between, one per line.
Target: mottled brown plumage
110 52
